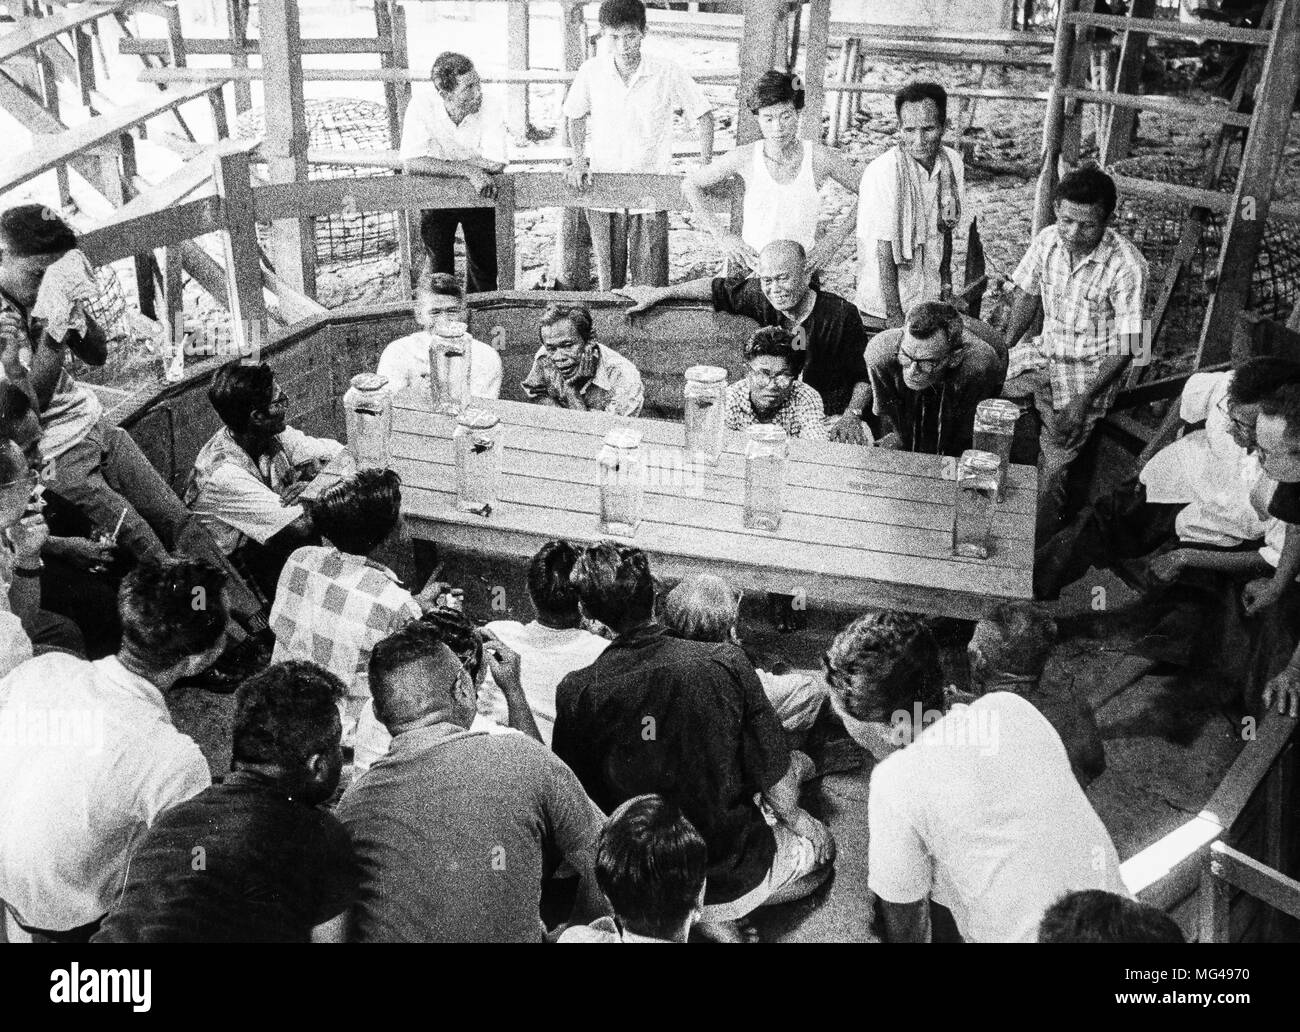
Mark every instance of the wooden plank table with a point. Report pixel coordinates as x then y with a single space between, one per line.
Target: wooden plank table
863 527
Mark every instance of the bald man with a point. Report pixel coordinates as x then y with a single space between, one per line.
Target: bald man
780 293
452 827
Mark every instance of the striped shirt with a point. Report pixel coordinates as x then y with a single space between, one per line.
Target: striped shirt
802 415
1087 307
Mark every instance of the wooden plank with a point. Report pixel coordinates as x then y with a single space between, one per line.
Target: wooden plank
505 233
1128 77
1212 114
171 76
1054 121
206 46
959 92
517 41
815 59
950 53
1215 911
32 32
1041 41
1198 31
237 28
243 256
1258 879
573 243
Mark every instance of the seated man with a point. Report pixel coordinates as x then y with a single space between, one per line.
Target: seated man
927 378
573 371
247 478
651 865
704 608
688 720
552 645
780 295
259 829
979 811
1008 653
772 392
71 811
441 311
452 828
1091 915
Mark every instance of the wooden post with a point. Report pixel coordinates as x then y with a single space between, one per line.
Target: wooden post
85 56
1132 54
762 48
573 245
50 98
814 68
144 263
237 22
1261 160
1214 903
243 258
1080 67
390 32
293 241
173 296
505 225
1054 120
517 61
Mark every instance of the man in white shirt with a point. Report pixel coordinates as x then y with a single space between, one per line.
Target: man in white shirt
570 370
441 310
619 113
451 133
90 757
909 203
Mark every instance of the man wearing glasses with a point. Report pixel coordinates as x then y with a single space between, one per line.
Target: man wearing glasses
771 391
927 378
570 370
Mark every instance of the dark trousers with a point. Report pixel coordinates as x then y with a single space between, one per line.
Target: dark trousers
438 231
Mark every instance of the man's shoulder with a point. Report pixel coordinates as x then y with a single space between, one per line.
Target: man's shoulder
883 163
1129 253
618 361
841 307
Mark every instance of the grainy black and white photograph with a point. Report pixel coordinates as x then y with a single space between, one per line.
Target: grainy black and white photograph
554 472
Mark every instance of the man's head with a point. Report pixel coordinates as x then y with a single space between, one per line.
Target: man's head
416 680
614 585
702 608
1084 201
32 238
773 364
1277 433
651 863
248 400
932 344
775 100
783 274
1091 915
1016 638
440 303
1252 382
922 109
287 725
622 22
359 513
550 586
457 83
564 330
173 615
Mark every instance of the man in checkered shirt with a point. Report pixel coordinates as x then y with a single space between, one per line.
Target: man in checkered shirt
332 602
1091 283
771 392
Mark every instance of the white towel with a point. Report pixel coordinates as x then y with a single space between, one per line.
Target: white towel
66 287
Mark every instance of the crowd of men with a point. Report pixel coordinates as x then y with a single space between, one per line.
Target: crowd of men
619 768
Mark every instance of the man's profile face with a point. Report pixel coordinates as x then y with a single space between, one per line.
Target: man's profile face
23 275
1279 450
563 344
270 417
1081 226
921 130
923 360
784 278
467 97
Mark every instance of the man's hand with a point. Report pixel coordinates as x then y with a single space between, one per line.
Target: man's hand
290 493
503 662
1260 593
738 251
483 182
13 335
585 367
643 298
891 441
578 174
437 594
807 826
83 553
848 430
1167 567
1286 688
28 536
1071 420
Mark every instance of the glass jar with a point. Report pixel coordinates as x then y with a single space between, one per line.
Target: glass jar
449 370
766 450
995 428
622 489
478 460
368 409
977 491
705 391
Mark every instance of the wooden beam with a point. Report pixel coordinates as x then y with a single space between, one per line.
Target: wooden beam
1054 122
1214 905
171 76
1257 879
32 32
237 27
243 257
762 48
1199 30
961 92
517 40
814 72
1128 79
202 46
1212 114
573 242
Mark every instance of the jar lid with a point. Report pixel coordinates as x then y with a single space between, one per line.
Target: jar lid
478 418
706 373
999 409
980 461
623 438
767 432
369 382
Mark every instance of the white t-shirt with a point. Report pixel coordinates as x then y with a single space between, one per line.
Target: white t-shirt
877 216
428 131
983 814
406 364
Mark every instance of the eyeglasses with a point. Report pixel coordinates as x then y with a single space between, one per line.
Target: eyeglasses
923 365
764 376
1243 429
281 400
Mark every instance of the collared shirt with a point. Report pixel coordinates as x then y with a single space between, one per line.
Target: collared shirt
616 386
405 362
88 760
237 498
690 721
832 334
1088 307
802 414
877 216
603 929
429 132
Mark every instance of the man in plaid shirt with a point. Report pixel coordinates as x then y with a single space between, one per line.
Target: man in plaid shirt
1091 283
770 393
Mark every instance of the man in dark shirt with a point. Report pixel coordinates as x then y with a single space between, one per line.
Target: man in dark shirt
688 720
780 294
252 859
927 378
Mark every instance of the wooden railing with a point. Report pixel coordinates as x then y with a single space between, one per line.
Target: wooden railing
1227 869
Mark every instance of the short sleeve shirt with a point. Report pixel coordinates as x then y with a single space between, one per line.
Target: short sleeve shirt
405 363
802 414
428 131
615 388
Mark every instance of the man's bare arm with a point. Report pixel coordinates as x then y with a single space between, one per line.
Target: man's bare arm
888 271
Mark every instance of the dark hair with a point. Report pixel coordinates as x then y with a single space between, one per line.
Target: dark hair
901 651
409 644
13 463
33 229
1092 915
774 87
440 283
287 714
447 69
1284 402
650 864
1026 636
549 585
614 13
778 342
1087 185
614 584
918 92
927 318
238 390
702 608
460 634
172 609
357 513
1257 378
577 313
15 403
